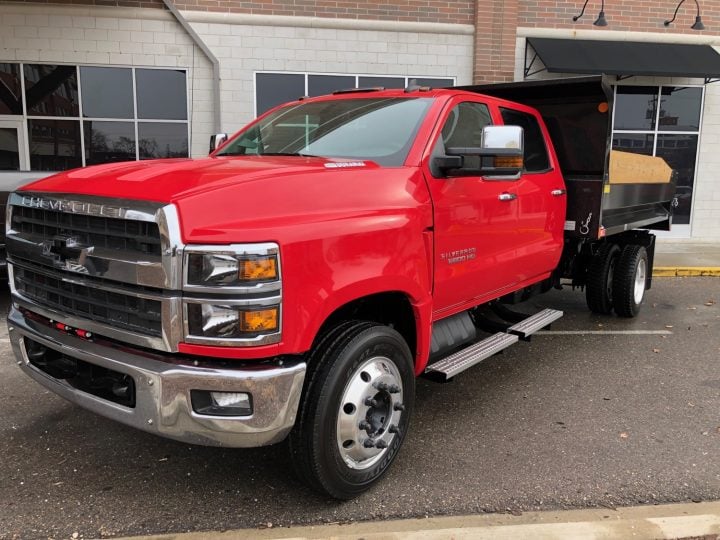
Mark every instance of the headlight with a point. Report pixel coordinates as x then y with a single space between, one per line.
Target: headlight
231 266
232 295
231 322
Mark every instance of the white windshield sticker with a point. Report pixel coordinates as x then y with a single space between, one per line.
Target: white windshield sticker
344 164
570 225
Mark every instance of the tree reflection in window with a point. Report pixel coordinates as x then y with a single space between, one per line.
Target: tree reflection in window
107 142
162 140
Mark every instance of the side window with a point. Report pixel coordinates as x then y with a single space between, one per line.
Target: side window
464 125
536 156
463 128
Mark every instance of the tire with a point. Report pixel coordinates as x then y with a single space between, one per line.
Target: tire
599 286
630 282
353 363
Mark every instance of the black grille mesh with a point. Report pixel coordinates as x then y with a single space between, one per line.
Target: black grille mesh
97 231
123 311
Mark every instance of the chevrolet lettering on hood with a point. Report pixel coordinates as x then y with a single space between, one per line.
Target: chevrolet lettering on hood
75 207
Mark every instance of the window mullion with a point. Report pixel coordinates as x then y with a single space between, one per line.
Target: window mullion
135 117
26 126
80 114
657 120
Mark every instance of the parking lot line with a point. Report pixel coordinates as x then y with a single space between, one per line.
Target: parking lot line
604 332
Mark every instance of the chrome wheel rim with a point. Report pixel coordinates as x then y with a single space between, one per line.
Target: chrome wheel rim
640 277
369 413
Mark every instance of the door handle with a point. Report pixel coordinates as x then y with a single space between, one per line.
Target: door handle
558 192
507 197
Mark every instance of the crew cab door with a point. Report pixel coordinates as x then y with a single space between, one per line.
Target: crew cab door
474 218
541 199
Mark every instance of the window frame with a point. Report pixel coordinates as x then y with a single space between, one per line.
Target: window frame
550 166
357 76
135 120
657 132
436 145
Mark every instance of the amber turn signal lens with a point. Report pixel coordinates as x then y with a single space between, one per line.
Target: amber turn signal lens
508 162
264 268
259 321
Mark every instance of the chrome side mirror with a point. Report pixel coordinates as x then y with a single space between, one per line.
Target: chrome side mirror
503 140
217 140
499 156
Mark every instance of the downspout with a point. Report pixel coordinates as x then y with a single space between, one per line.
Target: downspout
210 56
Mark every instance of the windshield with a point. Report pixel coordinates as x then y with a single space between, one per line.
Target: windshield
381 130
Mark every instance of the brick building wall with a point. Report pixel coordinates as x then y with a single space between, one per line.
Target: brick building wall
441 11
495 33
623 15
157 4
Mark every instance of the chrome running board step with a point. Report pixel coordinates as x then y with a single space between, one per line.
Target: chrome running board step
524 329
446 368
474 354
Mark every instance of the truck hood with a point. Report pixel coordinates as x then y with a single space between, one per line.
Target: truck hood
251 198
172 180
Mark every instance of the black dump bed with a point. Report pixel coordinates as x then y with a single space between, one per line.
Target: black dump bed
578 115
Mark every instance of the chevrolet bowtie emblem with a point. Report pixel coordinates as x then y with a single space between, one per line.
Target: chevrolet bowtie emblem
67 253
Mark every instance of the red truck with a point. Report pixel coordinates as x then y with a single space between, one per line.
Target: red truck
294 283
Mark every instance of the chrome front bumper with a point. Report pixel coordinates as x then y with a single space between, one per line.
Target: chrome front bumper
162 390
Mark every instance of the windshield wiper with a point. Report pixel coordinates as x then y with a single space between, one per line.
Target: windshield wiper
286 154
298 154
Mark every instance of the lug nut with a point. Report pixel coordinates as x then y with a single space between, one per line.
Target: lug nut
393 429
370 402
381 386
369 443
394 389
365 425
399 407
381 444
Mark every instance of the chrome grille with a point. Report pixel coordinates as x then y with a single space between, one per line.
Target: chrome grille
123 311
98 231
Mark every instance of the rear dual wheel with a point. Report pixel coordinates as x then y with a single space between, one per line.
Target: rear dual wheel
599 286
355 409
630 280
617 279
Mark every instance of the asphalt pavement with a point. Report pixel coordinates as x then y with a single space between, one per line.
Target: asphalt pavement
600 412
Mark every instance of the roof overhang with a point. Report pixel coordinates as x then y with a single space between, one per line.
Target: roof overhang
626 58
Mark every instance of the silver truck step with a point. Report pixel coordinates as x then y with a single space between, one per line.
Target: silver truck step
474 354
532 324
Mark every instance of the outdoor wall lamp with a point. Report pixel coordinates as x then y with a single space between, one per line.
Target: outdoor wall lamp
601 20
698 20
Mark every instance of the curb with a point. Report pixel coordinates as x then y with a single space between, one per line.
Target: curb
686 271
670 521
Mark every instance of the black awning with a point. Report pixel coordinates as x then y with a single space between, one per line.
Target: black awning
627 58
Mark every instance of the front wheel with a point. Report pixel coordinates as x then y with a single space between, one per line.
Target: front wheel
630 280
355 409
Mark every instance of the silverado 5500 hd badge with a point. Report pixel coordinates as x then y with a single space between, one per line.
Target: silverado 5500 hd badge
459 256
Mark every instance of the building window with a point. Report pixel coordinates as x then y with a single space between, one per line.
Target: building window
665 122
9 149
107 92
10 90
86 115
272 89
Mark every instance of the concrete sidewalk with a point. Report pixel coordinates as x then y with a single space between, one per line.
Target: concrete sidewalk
672 521
686 259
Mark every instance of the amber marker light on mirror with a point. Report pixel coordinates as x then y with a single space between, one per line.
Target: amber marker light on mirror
508 162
